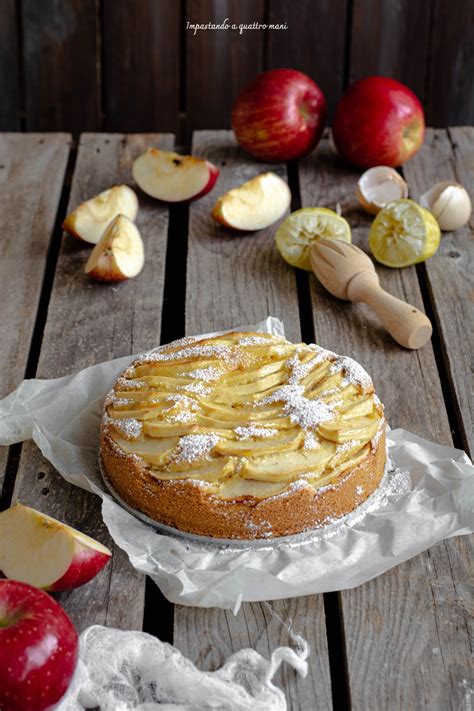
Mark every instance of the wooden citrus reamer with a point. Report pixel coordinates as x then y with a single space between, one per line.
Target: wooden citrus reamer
348 273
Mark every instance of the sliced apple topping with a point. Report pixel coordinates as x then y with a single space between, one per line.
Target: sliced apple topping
248 447
119 254
89 220
155 451
256 204
268 414
170 177
211 471
243 488
46 553
360 428
283 466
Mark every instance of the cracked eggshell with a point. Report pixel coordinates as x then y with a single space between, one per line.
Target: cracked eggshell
378 186
450 203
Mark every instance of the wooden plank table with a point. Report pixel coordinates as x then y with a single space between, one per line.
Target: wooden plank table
403 640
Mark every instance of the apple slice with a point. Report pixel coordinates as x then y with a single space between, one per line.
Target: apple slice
89 220
37 549
119 254
256 204
170 177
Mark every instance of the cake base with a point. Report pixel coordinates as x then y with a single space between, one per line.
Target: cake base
187 506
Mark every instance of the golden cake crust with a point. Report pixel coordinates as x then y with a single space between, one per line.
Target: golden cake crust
185 505
326 403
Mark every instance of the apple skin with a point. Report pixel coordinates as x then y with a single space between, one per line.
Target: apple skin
41 551
213 175
38 648
171 178
378 121
85 565
280 115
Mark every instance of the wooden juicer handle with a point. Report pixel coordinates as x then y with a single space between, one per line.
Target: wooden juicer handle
408 326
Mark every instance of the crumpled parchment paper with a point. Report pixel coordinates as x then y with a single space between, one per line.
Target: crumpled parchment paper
427 495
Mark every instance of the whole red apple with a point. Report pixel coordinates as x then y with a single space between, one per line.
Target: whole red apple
378 121
280 115
38 648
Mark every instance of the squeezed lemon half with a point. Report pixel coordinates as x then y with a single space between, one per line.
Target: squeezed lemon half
403 233
297 234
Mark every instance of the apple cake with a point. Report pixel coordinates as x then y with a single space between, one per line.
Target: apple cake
243 435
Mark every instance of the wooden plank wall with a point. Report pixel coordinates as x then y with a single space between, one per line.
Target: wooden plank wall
86 65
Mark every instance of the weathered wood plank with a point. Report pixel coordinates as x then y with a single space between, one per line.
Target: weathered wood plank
208 636
61 60
392 662
409 633
220 62
313 43
391 39
89 322
450 156
234 280
450 89
32 168
9 68
144 46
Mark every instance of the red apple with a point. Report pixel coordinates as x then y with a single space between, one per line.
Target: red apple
280 115
38 648
44 552
378 121
170 177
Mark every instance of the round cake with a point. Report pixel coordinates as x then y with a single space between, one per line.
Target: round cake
243 435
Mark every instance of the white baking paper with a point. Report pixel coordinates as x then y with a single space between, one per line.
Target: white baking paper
427 495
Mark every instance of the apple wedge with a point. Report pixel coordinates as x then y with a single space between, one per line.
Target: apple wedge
170 177
89 220
256 204
41 551
119 254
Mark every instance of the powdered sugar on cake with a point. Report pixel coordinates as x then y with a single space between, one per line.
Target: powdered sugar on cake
195 446
354 373
129 427
311 441
254 341
198 388
183 400
207 374
255 431
217 350
130 383
299 370
308 414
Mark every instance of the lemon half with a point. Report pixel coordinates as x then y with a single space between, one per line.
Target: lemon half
297 234
403 233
